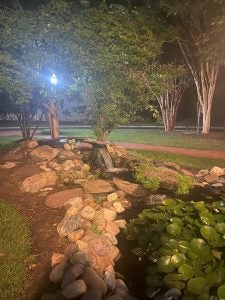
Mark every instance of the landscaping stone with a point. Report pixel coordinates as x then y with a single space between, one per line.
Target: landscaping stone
76 235
110 278
68 225
97 186
58 199
58 258
109 214
92 295
44 153
81 245
217 171
99 221
155 199
115 297
78 257
120 223
75 289
112 197
111 237
118 207
50 296
38 181
100 245
94 281
112 228
217 185
8 165
64 155
58 271
73 210
128 187
211 178
85 224
84 146
121 284
88 213
67 147
187 173
29 144
72 274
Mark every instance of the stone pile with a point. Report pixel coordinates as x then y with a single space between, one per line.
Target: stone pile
214 178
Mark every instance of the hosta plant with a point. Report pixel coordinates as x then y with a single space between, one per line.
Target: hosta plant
184 243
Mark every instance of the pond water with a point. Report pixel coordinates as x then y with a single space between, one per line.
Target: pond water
130 266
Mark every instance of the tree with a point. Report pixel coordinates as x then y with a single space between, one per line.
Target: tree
190 24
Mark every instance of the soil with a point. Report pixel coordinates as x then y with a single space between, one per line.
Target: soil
42 222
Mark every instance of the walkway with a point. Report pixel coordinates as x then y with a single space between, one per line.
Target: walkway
175 150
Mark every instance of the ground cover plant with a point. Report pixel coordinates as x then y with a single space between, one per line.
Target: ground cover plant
8 142
14 251
184 243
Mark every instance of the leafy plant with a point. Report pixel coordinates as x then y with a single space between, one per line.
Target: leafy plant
185 184
184 243
152 183
95 229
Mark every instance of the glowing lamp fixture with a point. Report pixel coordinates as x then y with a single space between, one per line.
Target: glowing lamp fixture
54 79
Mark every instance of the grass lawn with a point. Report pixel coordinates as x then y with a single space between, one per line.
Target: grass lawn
14 250
194 163
156 137
8 142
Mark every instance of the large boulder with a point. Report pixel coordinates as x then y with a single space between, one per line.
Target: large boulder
39 181
129 188
60 198
217 171
43 153
97 186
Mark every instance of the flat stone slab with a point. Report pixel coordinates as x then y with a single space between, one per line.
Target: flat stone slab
97 186
58 199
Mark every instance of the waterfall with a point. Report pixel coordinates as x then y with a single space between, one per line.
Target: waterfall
106 158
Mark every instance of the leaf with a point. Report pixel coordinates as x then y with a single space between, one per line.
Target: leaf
207 218
178 259
173 229
186 271
173 281
208 233
221 292
220 227
164 264
177 221
213 278
154 281
204 297
217 254
171 243
169 202
196 245
183 246
197 285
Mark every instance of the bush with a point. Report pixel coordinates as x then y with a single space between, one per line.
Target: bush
185 184
184 243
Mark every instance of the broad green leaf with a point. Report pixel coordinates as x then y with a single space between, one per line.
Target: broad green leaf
177 221
217 254
196 245
173 229
197 285
207 218
220 227
169 202
183 246
173 244
208 233
204 297
213 278
186 271
173 281
154 281
164 264
221 292
178 259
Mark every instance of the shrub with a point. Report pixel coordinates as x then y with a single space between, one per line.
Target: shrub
185 184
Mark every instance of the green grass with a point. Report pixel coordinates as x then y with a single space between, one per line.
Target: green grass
14 250
157 137
193 163
8 142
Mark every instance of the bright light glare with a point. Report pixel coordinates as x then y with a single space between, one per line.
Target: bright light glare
54 79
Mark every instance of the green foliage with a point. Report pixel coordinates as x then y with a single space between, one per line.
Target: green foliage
95 229
14 250
152 183
184 242
185 184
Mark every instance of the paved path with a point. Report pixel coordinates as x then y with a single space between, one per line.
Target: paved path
175 150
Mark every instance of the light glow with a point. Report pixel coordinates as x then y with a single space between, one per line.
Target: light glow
54 79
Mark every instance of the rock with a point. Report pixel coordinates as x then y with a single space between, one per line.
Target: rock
81 245
58 271
58 258
172 166
44 153
88 213
112 197
118 207
97 186
44 167
67 147
128 187
8 165
112 228
78 258
75 289
109 214
85 224
100 245
114 297
92 295
110 278
155 199
58 199
119 151
217 185
73 211
38 181
31 144
93 281
111 237
68 164
50 296
120 292
217 171
64 155
99 221
121 194
120 223
84 146
54 165
121 284
68 225
173 293
72 274
187 173
76 235
203 172
211 178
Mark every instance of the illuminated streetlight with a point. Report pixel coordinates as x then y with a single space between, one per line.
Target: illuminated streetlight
54 79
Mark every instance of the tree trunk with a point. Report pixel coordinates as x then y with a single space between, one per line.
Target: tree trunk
53 119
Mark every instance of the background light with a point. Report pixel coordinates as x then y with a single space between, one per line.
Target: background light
54 79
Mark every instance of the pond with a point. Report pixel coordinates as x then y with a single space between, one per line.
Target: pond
201 204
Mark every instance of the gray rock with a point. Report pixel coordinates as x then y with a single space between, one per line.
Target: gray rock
92 295
110 278
78 258
75 289
68 225
93 281
50 296
72 274
88 213
58 272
